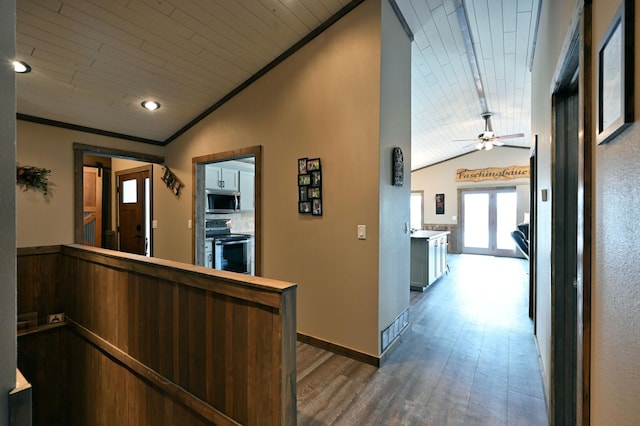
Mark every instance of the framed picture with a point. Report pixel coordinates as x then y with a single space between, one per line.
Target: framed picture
615 94
316 178
313 164
302 166
439 203
303 193
304 180
304 207
316 207
313 192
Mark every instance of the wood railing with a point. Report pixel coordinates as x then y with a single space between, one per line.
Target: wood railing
150 341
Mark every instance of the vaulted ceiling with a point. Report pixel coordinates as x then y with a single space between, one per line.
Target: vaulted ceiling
94 61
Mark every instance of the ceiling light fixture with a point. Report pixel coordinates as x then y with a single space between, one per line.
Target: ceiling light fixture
150 105
21 67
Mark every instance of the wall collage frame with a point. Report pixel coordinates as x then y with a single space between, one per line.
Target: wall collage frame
309 186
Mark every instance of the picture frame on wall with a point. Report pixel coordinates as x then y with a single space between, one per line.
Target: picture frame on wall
304 180
615 73
304 207
316 207
309 186
302 166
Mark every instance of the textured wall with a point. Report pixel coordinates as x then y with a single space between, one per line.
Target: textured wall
615 358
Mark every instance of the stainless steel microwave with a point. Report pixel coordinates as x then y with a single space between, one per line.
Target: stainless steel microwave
219 201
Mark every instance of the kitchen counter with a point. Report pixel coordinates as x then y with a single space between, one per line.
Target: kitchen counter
429 234
428 258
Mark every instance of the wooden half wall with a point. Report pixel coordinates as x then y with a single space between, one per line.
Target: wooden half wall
149 341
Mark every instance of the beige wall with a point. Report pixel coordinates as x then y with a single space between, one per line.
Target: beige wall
323 101
615 357
441 179
7 212
52 148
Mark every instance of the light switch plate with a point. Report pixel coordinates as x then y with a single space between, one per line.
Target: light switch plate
154 224
362 232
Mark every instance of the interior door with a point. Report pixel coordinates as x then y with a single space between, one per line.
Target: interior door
92 206
132 227
488 218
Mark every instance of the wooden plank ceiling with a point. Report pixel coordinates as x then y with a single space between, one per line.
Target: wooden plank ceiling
94 61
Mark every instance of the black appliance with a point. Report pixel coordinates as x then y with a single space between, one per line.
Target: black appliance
220 201
226 250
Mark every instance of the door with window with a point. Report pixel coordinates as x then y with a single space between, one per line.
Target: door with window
134 211
488 218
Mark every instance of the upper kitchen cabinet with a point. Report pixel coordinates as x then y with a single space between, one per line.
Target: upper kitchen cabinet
222 177
247 190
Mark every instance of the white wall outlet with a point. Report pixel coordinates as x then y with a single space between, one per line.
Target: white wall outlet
154 223
362 232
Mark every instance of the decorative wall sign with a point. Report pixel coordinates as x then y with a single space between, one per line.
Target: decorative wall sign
492 173
615 75
172 181
398 167
309 186
439 203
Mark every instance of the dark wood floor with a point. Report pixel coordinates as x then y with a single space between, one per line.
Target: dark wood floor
469 358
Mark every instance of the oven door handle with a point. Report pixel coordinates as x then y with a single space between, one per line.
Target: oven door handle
228 243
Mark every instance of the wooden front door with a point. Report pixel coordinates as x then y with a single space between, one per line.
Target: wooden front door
132 227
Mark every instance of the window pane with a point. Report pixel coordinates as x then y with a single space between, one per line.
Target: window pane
476 220
416 211
506 219
129 191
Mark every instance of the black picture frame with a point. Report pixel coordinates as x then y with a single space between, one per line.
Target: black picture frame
313 164
304 207
302 196
615 68
309 186
316 207
316 178
302 166
439 203
304 180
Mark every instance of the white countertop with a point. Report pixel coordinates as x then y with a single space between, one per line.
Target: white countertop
428 234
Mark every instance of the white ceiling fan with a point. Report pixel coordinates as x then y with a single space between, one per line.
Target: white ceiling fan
487 139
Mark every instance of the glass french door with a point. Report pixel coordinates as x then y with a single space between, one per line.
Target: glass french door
488 218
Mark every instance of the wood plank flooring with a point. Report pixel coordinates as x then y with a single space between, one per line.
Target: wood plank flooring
468 359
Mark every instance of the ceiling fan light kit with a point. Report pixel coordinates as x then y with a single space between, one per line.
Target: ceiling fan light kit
488 139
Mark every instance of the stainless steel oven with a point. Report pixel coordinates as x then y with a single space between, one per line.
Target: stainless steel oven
228 252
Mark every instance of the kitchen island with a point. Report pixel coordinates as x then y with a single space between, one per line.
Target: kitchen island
428 258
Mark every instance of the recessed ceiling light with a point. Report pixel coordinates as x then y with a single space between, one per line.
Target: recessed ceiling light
21 67
150 105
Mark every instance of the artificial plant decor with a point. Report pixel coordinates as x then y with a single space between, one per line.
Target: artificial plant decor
30 177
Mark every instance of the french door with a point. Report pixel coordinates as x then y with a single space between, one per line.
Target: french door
488 218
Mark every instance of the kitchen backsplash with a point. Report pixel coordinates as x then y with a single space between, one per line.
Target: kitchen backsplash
241 223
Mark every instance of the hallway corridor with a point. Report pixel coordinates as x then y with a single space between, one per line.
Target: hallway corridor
468 358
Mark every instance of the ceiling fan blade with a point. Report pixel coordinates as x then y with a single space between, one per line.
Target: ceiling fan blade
515 135
497 143
465 140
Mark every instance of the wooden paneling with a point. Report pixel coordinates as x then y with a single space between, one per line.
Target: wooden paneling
159 342
39 275
453 241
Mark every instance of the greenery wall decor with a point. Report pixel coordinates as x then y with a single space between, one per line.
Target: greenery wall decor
36 178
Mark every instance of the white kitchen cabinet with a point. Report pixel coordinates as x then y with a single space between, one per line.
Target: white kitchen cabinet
221 178
428 258
247 190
